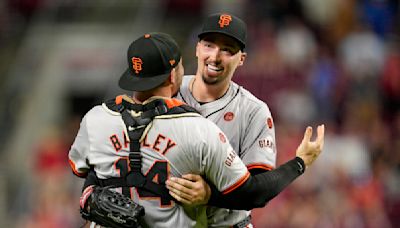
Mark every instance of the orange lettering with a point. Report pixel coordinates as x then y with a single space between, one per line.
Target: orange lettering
224 20
158 141
126 141
137 64
230 158
161 144
115 142
170 144
145 143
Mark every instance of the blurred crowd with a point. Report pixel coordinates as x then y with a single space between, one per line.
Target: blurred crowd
333 61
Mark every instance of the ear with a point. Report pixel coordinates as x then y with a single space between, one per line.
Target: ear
172 76
197 49
242 58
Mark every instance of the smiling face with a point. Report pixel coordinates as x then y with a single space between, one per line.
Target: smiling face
218 56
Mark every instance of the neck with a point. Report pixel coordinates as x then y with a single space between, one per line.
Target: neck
203 92
157 92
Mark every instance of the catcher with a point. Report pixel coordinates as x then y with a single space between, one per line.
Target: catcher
134 145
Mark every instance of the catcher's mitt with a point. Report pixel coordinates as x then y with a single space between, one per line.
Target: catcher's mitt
109 208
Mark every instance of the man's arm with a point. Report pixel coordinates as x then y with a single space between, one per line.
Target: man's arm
258 189
91 179
79 150
257 140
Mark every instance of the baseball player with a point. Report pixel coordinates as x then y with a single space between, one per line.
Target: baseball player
175 141
246 120
156 70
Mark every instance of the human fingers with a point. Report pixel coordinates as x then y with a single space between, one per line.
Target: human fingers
307 134
179 190
192 177
181 183
178 198
320 135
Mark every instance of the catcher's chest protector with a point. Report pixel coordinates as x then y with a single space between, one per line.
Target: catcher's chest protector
137 118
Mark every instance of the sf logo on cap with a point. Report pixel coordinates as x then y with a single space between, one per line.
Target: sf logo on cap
224 20
137 64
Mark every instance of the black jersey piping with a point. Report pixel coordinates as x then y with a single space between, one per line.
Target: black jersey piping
237 92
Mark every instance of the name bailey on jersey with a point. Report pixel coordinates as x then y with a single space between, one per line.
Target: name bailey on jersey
163 144
160 144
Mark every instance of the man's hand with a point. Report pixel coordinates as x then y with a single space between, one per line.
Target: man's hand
308 150
191 189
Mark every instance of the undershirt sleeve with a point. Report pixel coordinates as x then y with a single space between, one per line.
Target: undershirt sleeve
260 188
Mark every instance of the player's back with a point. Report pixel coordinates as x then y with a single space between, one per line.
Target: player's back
172 147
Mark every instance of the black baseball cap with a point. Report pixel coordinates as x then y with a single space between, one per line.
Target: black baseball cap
226 24
151 58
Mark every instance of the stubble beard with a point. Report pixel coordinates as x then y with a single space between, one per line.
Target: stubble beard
210 81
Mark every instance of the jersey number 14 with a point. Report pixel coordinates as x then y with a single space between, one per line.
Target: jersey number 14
158 172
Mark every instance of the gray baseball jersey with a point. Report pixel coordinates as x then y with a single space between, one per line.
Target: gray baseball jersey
173 146
248 124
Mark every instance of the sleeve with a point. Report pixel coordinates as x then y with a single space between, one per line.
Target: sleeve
80 150
259 189
258 146
221 165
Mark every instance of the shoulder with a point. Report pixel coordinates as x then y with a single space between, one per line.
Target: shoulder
251 103
192 125
94 111
184 90
100 112
189 121
186 81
